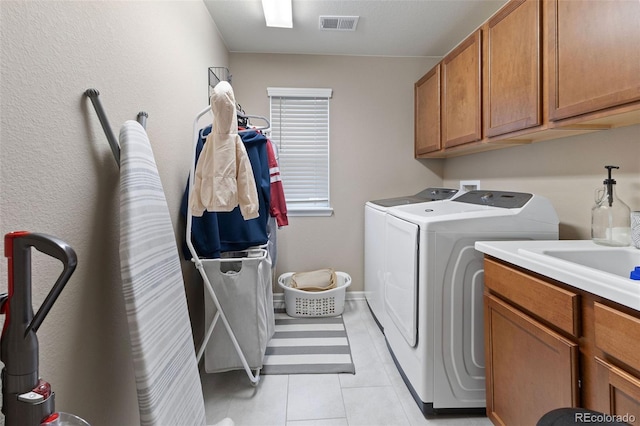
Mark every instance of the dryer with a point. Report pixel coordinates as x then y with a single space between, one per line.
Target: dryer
374 242
434 285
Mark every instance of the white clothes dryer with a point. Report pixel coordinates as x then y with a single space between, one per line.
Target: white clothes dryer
434 284
374 242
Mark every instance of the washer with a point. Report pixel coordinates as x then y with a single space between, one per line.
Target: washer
374 242
434 285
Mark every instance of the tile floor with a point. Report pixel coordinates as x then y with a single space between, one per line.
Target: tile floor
375 395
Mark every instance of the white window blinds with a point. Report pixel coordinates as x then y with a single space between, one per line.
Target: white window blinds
300 131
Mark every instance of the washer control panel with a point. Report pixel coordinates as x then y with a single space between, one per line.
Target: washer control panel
434 194
503 199
428 194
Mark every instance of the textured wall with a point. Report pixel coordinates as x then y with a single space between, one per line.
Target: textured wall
567 171
58 175
371 146
372 154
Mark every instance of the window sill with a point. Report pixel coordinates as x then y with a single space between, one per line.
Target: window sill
310 211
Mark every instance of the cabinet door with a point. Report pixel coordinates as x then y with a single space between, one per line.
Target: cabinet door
512 67
427 113
531 369
461 85
594 59
618 392
617 334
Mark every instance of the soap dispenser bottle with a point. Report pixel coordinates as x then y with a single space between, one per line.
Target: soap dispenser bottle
610 217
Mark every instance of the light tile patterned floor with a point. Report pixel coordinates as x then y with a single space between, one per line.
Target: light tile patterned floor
375 395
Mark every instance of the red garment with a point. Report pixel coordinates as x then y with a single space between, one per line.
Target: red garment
278 205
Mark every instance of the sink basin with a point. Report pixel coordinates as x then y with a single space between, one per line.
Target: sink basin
616 261
600 270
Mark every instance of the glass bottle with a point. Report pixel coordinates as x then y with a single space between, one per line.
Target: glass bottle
610 217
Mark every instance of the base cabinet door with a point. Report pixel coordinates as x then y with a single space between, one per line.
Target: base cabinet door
617 381
530 369
618 392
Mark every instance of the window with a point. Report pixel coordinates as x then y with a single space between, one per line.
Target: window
300 131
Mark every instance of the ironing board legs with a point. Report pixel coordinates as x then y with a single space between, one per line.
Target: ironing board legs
254 378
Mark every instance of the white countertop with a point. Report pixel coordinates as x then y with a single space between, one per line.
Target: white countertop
531 255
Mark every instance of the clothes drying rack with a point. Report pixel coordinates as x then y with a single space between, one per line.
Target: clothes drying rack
94 96
254 377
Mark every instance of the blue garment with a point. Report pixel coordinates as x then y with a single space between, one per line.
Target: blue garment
217 232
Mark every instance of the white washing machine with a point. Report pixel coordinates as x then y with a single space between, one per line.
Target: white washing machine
434 284
374 242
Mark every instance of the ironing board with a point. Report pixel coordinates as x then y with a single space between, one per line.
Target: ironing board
164 359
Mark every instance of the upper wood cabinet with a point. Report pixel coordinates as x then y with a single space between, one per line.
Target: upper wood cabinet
594 55
512 58
427 112
536 70
461 93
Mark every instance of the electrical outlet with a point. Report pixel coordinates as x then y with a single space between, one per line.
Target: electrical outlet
469 185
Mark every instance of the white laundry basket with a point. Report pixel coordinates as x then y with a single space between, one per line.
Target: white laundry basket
327 303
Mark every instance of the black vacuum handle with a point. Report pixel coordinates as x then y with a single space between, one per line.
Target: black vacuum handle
62 251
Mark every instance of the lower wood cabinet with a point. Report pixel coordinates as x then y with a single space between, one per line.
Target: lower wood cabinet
617 335
549 345
618 392
530 368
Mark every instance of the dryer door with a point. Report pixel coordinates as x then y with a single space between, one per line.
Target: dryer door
374 247
401 280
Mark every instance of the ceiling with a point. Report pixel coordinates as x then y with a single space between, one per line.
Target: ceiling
385 27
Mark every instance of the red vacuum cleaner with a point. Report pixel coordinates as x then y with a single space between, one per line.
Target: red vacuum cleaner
26 398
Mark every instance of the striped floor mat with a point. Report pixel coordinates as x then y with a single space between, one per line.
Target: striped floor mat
308 346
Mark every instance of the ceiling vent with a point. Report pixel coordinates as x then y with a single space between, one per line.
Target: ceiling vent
338 23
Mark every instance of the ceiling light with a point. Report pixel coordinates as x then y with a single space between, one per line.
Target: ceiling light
277 13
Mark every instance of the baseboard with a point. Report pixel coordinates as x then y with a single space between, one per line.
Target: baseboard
354 295
278 298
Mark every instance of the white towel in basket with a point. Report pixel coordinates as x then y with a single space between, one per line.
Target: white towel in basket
319 280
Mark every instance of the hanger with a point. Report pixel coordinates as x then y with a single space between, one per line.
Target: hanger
243 121
252 128
265 128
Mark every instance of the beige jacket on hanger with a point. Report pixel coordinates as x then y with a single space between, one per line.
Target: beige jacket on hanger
223 176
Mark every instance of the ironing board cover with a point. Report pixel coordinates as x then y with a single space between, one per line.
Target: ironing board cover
167 378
